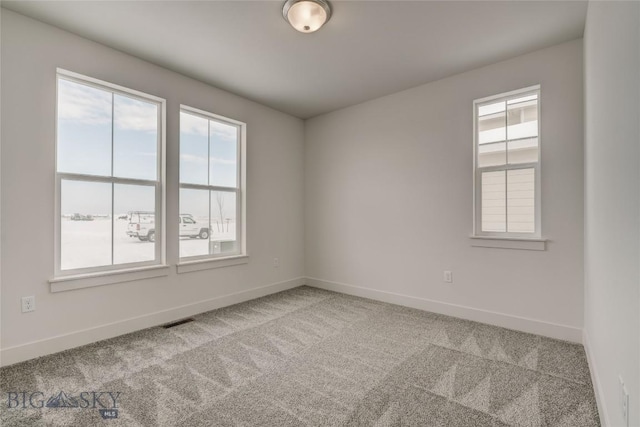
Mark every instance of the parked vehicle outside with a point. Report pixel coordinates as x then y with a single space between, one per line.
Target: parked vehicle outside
78 217
142 225
189 227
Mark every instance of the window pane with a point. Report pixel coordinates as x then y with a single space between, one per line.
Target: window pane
523 151
194 222
135 138
134 226
492 154
525 98
522 118
491 123
521 200
85 228
223 161
223 222
84 129
194 149
494 201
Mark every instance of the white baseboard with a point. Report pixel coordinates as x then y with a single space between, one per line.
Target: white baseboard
533 326
20 353
595 379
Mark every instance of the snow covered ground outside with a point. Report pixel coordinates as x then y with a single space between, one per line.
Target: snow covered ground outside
88 243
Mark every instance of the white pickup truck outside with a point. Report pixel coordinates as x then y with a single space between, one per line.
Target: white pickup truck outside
142 225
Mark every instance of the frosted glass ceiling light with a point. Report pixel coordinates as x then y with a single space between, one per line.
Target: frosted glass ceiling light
306 16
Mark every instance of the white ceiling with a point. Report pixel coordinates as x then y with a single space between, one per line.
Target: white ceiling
368 48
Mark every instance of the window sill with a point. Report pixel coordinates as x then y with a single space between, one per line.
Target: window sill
522 243
67 283
207 264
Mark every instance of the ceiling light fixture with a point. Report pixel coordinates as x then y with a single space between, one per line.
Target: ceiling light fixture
306 16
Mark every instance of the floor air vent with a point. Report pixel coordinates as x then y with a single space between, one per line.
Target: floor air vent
177 323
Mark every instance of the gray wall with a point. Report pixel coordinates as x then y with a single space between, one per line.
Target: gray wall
31 51
389 197
612 202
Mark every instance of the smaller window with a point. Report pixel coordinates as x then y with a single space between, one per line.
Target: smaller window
507 164
211 186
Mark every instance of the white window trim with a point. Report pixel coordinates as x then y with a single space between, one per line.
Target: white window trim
96 276
208 264
530 244
202 262
493 239
89 280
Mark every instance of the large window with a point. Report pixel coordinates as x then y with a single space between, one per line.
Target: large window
507 164
109 177
211 185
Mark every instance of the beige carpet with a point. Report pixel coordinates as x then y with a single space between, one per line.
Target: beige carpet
308 357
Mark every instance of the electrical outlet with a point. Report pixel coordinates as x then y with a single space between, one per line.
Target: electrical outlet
28 304
624 402
276 262
448 276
